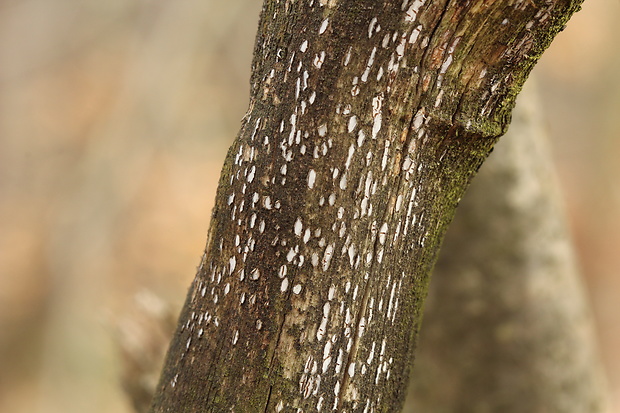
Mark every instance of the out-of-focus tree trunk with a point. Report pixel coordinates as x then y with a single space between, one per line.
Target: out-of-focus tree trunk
506 326
366 122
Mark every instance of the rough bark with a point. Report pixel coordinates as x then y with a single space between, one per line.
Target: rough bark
367 119
506 325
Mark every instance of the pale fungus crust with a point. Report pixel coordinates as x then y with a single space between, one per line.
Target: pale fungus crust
365 124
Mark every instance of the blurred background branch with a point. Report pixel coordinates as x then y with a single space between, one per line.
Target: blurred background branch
114 120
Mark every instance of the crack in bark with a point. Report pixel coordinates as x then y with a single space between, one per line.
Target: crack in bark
268 399
275 348
212 380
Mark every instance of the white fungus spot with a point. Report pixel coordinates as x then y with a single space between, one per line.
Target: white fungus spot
323 26
314 259
332 292
377 102
400 49
349 156
413 10
386 41
298 227
255 274
380 73
352 123
343 181
399 201
347 58
361 136
312 97
406 166
385 155
304 46
351 369
326 356
438 99
362 326
311 178
371 27
383 233
322 130
339 361
332 199
446 64
352 253
320 332
369 64
319 59
251 173
415 33
284 285
297 289
327 256
267 202
418 119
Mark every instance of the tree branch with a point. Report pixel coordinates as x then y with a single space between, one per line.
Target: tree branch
367 120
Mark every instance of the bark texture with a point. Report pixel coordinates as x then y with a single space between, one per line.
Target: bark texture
367 119
506 325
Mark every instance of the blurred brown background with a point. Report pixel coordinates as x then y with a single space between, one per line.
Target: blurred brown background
115 117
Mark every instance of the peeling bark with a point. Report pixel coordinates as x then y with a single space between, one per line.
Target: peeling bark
366 121
506 326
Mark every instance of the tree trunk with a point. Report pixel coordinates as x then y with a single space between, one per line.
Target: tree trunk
367 120
506 325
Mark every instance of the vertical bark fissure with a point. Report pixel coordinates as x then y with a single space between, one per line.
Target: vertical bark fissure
275 350
362 311
215 370
268 398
